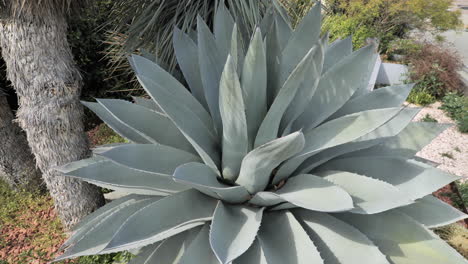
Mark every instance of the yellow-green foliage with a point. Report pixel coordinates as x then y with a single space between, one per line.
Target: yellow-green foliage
386 20
457 236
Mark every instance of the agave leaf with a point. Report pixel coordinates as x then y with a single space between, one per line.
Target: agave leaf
273 49
80 164
381 134
336 87
302 40
254 255
120 178
336 52
391 96
199 250
223 29
270 126
408 142
203 178
347 128
306 90
100 234
159 220
201 138
432 212
145 121
337 241
305 191
186 52
266 199
211 62
283 240
258 165
103 148
334 133
318 159
91 219
166 88
267 21
254 85
369 76
403 240
237 51
394 126
413 178
233 230
146 254
283 25
370 195
183 109
374 74
235 138
170 250
120 128
142 157
148 103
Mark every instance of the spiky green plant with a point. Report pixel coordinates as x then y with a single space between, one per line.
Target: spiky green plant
280 154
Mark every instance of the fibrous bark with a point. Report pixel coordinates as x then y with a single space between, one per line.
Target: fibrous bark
17 164
41 68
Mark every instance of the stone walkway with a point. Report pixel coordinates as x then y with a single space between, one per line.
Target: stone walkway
450 148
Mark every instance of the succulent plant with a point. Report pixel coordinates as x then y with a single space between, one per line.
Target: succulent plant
279 154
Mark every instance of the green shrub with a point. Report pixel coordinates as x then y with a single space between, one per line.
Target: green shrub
456 106
387 20
429 118
403 47
434 69
120 257
420 97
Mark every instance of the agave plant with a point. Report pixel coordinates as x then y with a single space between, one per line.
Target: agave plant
279 154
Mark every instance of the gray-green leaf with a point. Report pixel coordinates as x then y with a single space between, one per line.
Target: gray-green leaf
370 195
432 212
201 177
157 159
254 85
258 165
233 230
338 241
157 128
232 109
283 240
159 220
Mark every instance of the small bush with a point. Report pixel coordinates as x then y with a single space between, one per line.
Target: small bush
456 106
420 97
429 118
403 47
387 20
434 69
121 257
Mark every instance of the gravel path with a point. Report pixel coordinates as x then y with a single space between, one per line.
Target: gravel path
449 149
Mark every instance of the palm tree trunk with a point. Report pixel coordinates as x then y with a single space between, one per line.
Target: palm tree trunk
17 164
41 68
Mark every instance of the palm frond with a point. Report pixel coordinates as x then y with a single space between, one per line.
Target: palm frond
149 24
